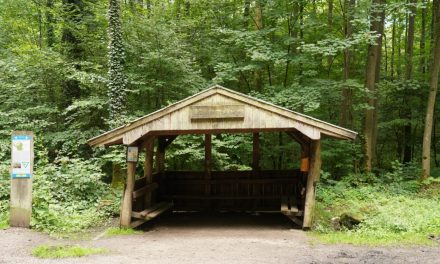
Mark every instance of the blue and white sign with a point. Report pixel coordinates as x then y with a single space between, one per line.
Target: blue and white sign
21 156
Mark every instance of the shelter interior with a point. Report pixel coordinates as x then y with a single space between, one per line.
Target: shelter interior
214 111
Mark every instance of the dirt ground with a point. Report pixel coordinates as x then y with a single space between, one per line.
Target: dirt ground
212 238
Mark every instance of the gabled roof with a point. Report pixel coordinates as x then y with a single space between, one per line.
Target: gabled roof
251 114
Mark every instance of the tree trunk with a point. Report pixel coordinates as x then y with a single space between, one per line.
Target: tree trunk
377 77
330 27
346 105
423 40
74 52
373 62
435 67
246 12
50 32
258 80
393 47
407 135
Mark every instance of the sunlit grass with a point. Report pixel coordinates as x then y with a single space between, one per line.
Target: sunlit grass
115 231
45 251
369 239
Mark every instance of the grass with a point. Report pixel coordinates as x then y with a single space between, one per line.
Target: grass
4 225
116 231
368 239
45 251
391 215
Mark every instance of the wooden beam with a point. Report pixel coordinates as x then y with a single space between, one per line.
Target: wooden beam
312 179
303 140
160 155
137 223
148 168
208 161
153 211
223 197
256 151
145 190
127 203
169 140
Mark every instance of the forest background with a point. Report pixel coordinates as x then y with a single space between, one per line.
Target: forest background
71 69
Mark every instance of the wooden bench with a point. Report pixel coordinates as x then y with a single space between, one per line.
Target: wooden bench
150 213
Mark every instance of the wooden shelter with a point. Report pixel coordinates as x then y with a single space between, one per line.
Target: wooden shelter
213 111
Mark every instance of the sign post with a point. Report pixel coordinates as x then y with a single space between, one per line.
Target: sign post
22 165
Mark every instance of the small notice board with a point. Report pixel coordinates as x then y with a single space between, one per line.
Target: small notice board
22 161
21 156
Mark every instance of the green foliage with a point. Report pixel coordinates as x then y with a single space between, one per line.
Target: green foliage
391 213
56 252
117 78
69 196
114 231
147 56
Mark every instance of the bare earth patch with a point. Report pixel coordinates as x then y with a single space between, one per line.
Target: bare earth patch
212 238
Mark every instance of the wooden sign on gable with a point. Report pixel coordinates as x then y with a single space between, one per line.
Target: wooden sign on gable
216 112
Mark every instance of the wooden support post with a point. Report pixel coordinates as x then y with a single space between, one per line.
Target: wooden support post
160 155
255 166
208 163
127 203
312 179
256 152
148 168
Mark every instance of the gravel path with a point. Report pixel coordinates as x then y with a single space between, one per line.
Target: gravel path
219 238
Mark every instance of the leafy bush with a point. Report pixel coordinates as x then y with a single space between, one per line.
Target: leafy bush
70 196
391 213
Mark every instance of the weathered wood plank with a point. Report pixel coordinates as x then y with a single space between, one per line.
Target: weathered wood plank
256 114
137 223
209 112
127 203
144 190
223 197
256 151
160 155
148 169
294 219
153 211
312 178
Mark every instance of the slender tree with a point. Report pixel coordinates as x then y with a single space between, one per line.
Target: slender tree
258 79
116 57
407 129
50 31
346 105
73 50
373 62
433 82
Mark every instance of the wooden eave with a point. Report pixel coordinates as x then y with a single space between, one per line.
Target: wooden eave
114 137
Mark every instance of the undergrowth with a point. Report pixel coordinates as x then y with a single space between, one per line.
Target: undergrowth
46 251
393 210
69 196
115 231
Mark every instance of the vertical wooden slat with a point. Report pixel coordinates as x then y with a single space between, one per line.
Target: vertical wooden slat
255 165
208 163
312 179
127 203
256 152
148 168
160 155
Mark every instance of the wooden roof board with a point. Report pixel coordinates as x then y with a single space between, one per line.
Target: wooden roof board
116 135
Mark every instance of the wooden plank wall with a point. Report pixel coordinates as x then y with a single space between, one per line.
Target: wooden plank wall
253 118
232 190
